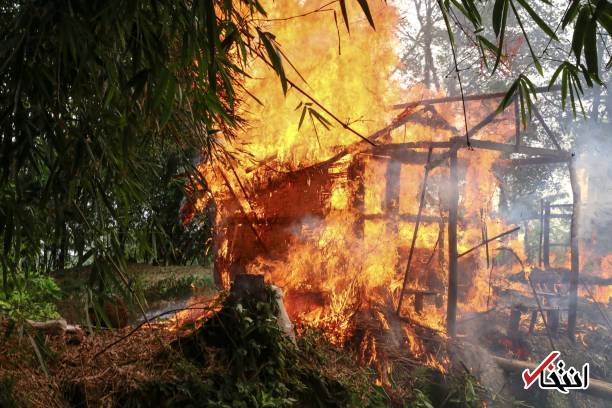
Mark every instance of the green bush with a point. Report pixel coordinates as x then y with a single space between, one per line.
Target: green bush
30 298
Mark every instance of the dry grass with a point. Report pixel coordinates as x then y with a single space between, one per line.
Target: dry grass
76 374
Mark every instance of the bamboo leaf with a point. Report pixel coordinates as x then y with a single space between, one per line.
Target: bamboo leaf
498 13
555 75
579 32
564 88
590 47
344 14
275 58
534 58
302 117
321 119
366 10
571 13
502 28
509 96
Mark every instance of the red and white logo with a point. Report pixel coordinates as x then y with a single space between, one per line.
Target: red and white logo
553 374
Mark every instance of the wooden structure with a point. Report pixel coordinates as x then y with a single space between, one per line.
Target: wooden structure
536 155
311 187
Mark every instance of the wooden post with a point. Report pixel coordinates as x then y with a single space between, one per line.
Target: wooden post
441 243
451 308
355 175
526 240
515 320
541 232
517 125
485 235
532 322
552 315
546 235
575 255
392 194
415 231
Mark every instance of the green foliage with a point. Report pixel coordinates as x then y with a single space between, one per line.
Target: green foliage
101 104
241 358
421 400
587 19
175 286
30 298
465 391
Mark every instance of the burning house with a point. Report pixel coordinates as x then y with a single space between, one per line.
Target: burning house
367 224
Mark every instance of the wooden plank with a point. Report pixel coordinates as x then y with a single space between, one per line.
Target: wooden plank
390 203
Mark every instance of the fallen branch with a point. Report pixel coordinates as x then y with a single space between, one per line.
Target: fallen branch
488 240
135 329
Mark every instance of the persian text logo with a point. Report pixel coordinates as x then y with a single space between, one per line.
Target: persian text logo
554 375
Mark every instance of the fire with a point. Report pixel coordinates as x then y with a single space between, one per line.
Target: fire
330 219
350 73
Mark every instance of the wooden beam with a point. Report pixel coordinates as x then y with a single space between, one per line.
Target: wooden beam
531 161
451 308
403 218
506 148
459 98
